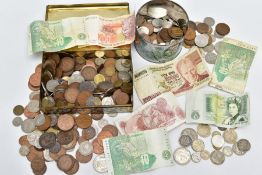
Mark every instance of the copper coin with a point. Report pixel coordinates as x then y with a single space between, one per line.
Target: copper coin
97 113
71 94
114 78
65 122
38 164
83 159
65 162
110 54
65 137
67 64
18 110
192 25
82 97
35 79
23 141
110 70
97 148
75 168
112 129
202 28
88 72
120 97
127 88
47 140
80 60
38 68
164 35
103 135
34 153
175 32
189 42
190 34
56 148
83 121
56 156
109 62
46 124
89 133
222 29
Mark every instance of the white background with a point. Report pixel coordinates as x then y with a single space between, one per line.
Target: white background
16 67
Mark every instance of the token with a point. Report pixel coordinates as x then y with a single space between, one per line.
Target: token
198 145
185 140
222 29
243 145
217 157
211 58
99 164
201 40
182 156
203 130
230 136
227 150
205 155
17 121
87 86
195 157
217 141
18 110
71 94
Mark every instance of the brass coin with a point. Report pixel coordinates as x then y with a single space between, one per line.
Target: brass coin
99 78
18 110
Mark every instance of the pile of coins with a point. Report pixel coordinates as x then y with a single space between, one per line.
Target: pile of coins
190 138
161 23
202 35
52 137
81 79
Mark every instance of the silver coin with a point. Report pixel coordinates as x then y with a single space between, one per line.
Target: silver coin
28 125
126 63
217 46
209 48
237 151
77 78
227 150
202 40
203 130
211 58
182 156
40 119
195 157
33 138
102 122
167 24
51 85
100 164
113 114
209 21
230 136
33 93
143 30
185 140
54 119
198 145
205 155
217 157
191 133
99 61
156 30
47 155
215 133
17 121
85 148
124 76
218 36
243 145
87 85
24 150
217 141
156 12
157 23
33 106
143 10
107 101
76 73
120 67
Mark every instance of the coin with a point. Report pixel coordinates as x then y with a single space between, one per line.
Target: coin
65 122
202 28
102 122
164 35
98 149
99 53
209 48
111 128
215 133
65 162
86 148
217 157
195 157
89 133
18 110
175 32
185 140
205 155
107 101
17 121
51 85
198 145
47 140
191 133
222 29
217 141
190 34
209 21
156 12
28 125
218 46
65 137
120 97
182 156
99 164
40 119
83 121
24 150
56 148
211 58
201 40
227 150
33 106
230 136
88 72
203 130
83 159
46 154
236 150
243 145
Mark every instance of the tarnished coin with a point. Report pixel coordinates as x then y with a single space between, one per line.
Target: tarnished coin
222 29
227 150
211 58
18 110
33 106
24 150
102 122
230 136
205 155
89 133
185 140
86 148
65 162
87 86
217 141
198 145
99 164
243 145
236 150
209 48
182 156
195 157
17 121
202 40
209 21
47 140
191 133
56 148
217 157
28 125
202 28
204 130
40 119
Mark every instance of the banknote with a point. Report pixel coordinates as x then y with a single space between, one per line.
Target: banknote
51 36
223 110
138 152
162 111
178 76
230 72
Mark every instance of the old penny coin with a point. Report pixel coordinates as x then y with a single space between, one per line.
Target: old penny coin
88 72
190 34
204 130
112 129
65 122
202 28
89 133
185 140
47 140
65 137
175 32
83 121
222 29
217 157
18 110
120 97
98 148
243 145
65 162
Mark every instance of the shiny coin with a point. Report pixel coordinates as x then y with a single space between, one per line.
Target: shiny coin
243 145
217 141
40 119
100 164
28 125
17 121
230 136
107 101
156 12
237 151
18 110
99 78
195 157
211 58
205 155
86 148
202 40
217 157
198 145
191 133
51 85
209 21
24 150
99 53
203 130
182 156
227 150
185 140
103 122
33 106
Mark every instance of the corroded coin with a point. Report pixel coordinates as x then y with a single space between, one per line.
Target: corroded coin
185 140
195 157
18 110
227 150
182 156
204 130
217 157
17 121
230 136
198 145
205 155
99 164
243 145
191 133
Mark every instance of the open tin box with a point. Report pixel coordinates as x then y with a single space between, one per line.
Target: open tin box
57 12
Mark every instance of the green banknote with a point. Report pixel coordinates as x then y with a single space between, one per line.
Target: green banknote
138 152
230 72
221 110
